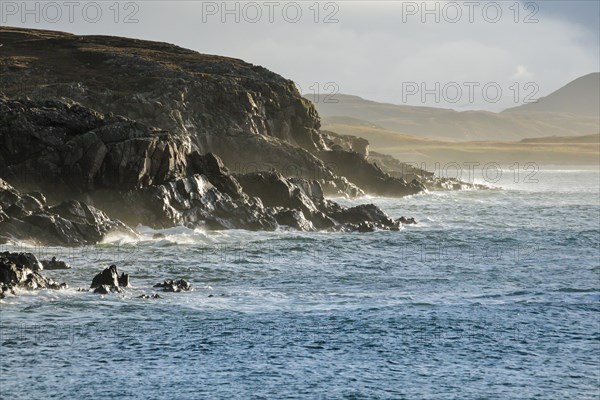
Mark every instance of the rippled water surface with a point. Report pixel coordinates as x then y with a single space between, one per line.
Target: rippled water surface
493 295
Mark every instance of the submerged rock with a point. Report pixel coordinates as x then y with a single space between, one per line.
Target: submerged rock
14 274
170 285
407 221
106 289
151 296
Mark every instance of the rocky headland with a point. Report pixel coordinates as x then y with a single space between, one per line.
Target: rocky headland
99 134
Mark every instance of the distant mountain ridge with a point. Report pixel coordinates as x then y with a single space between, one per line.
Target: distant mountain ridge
579 97
577 117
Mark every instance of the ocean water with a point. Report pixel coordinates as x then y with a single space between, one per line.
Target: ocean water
493 295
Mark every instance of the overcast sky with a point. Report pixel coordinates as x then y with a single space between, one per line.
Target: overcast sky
379 50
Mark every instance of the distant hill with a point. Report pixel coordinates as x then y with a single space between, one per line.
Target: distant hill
579 97
557 150
447 124
594 139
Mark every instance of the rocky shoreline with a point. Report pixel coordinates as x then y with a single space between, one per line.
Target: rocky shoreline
181 138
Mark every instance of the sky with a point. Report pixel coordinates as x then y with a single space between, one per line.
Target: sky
464 55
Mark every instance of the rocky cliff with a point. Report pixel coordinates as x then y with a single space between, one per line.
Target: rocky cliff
251 118
149 132
91 165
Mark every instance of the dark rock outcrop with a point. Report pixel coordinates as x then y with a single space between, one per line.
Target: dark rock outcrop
64 147
109 281
27 260
54 264
170 285
368 176
306 198
363 216
16 274
407 221
356 144
192 201
28 218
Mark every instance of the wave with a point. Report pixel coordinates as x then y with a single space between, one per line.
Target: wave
577 290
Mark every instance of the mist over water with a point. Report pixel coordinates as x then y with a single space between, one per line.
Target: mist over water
494 294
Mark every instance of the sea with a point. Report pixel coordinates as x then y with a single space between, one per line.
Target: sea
494 294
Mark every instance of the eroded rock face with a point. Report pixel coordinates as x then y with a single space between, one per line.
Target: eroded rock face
163 85
58 146
26 218
15 273
193 201
274 190
306 198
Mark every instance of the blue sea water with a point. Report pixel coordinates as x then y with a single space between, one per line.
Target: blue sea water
493 295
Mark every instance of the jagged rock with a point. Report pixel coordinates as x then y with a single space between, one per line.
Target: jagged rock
66 224
14 274
340 187
55 264
135 146
28 260
253 119
106 289
365 213
294 219
213 169
366 227
170 285
193 201
306 197
109 280
58 146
